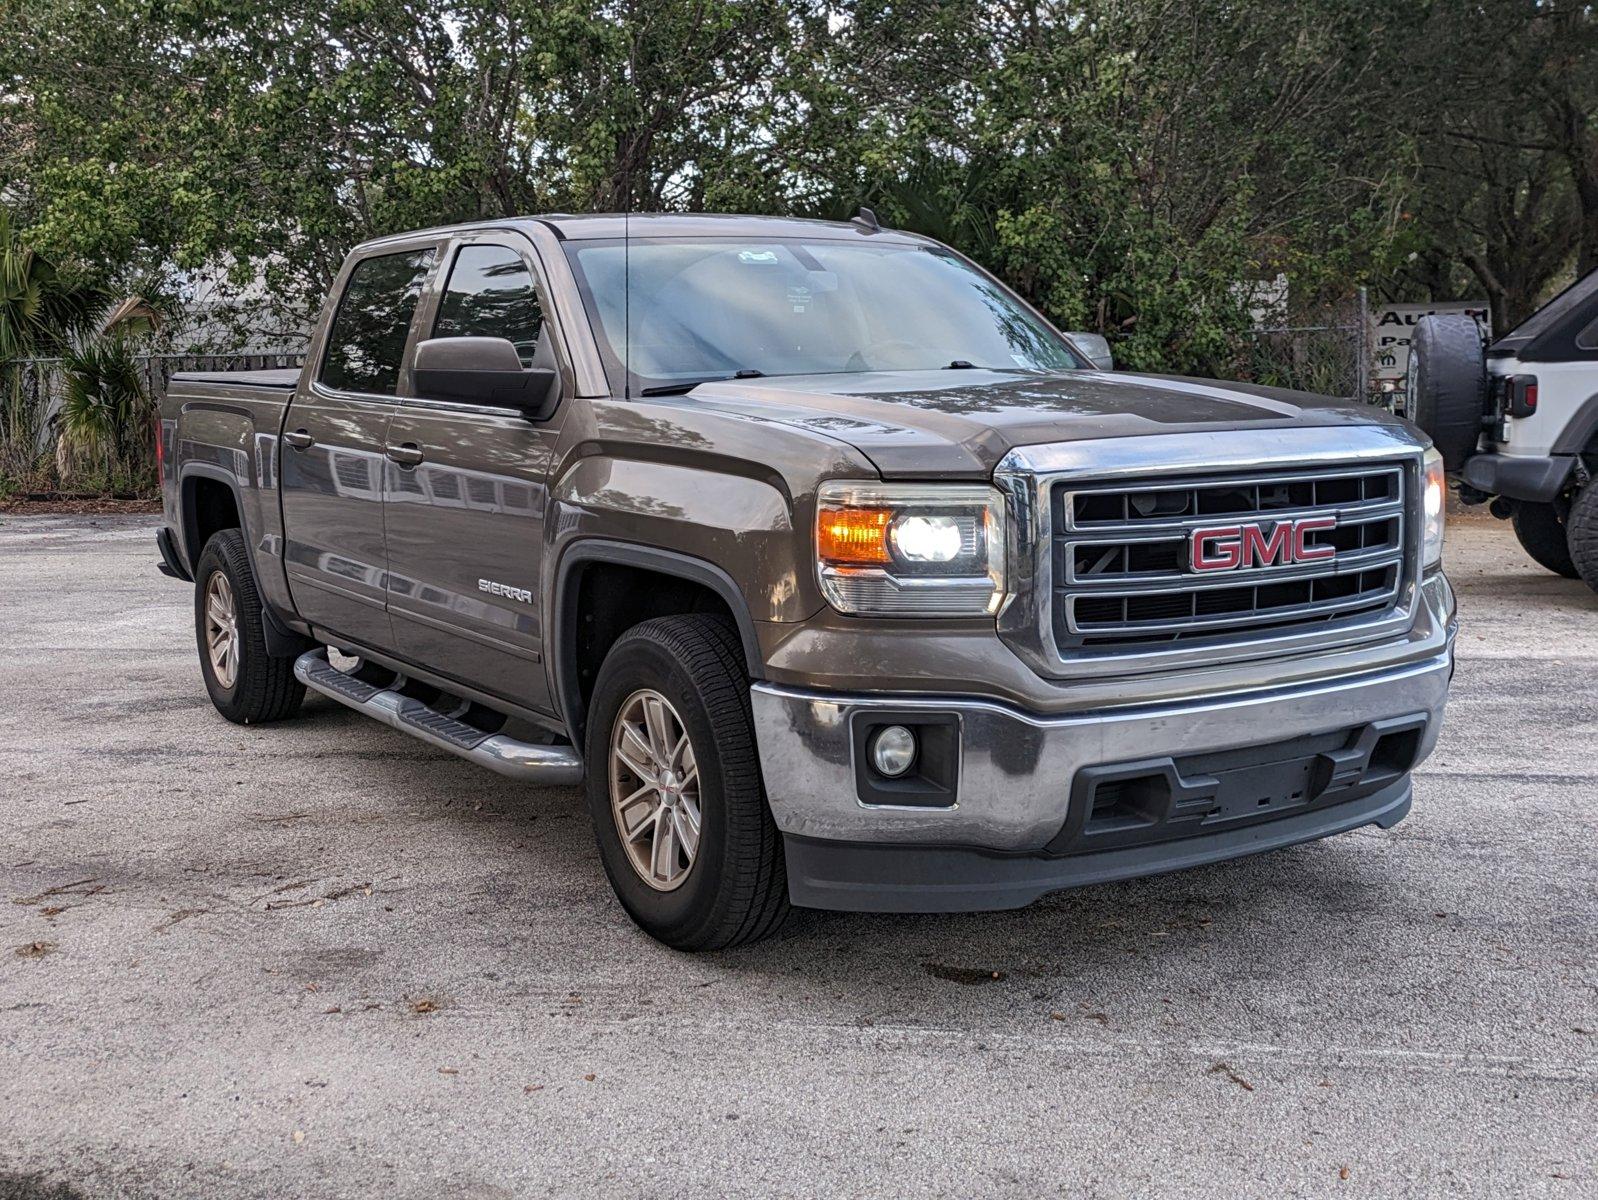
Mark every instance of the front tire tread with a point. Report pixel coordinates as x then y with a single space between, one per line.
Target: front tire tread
748 898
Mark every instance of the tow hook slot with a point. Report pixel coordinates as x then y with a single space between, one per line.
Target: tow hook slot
1387 748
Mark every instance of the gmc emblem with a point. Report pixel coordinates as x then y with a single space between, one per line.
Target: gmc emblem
1228 547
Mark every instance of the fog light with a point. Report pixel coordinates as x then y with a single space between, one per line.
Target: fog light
893 751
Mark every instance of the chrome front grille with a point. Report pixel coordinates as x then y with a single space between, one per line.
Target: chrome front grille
1123 556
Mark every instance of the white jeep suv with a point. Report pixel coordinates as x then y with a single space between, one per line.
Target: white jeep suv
1517 422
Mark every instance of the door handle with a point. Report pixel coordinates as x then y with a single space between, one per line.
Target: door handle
299 439
406 454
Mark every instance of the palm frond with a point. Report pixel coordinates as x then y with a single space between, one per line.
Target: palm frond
39 308
104 406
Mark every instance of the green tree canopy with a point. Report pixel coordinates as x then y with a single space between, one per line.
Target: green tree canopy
1130 165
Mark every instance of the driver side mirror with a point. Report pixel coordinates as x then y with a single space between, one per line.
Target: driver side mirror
487 371
1097 348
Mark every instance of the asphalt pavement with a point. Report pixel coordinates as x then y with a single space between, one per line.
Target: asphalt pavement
320 959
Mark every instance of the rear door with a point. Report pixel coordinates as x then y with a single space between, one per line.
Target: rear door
333 442
465 517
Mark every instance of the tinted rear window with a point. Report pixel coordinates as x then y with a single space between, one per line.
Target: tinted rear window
367 341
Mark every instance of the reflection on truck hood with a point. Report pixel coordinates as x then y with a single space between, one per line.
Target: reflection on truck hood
963 422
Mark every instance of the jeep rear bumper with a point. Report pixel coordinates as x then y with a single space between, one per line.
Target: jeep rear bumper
1040 803
1536 478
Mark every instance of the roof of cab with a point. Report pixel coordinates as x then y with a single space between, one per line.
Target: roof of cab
588 226
577 227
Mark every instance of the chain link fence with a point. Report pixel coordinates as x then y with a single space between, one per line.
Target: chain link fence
1327 352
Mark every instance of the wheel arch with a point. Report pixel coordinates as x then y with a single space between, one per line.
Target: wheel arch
201 514
200 490
579 563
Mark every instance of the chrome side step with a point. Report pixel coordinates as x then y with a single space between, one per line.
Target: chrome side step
527 761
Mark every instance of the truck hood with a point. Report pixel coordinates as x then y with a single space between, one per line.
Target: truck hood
961 423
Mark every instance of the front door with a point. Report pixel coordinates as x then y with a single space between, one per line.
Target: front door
334 436
465 517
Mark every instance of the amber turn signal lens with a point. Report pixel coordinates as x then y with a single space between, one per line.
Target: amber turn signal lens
854 535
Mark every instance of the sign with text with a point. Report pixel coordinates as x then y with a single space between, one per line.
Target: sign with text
1391 327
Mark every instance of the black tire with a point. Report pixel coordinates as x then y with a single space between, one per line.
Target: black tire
264 688
1581 528
1542 535
1450 384
736 888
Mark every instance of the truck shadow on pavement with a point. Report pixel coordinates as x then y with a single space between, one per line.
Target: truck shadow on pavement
1281 915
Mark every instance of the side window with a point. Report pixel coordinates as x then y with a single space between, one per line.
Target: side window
1587 339
491 294
367 340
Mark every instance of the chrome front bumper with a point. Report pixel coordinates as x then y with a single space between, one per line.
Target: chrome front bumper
1016 769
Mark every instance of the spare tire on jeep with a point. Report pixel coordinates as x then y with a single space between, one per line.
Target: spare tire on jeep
1450 384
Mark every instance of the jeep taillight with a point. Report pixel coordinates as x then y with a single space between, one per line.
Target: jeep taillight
1520 395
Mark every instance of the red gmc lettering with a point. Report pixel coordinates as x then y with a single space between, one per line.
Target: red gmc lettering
1262 551
1227 547
1302 551
1226 554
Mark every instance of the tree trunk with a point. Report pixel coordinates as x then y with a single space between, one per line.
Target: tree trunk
1567 121
1583 159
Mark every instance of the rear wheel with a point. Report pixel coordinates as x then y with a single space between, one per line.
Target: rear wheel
247 685
1541 531
674 787
1581 526
1450 384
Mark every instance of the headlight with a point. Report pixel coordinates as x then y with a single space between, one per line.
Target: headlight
910 550
1434 506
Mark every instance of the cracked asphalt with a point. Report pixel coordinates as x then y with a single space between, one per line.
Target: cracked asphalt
320 959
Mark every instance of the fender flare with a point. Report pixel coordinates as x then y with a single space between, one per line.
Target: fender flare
1580 431
188 523
650 558
282 641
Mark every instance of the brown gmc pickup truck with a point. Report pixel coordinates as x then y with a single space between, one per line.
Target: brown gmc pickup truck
833 572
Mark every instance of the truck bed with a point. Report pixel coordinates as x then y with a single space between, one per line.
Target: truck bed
284 377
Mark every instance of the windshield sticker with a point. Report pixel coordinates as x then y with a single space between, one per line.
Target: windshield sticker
757 256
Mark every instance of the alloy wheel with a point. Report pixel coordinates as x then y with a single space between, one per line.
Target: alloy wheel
222 629
654 789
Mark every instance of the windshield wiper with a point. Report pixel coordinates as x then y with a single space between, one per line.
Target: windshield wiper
688 385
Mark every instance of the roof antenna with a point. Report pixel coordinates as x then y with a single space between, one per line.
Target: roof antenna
866 219
627 290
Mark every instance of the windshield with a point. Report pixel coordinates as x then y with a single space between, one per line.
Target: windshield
712 308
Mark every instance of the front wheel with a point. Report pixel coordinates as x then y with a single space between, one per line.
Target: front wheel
674 787
247 685
1541 532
